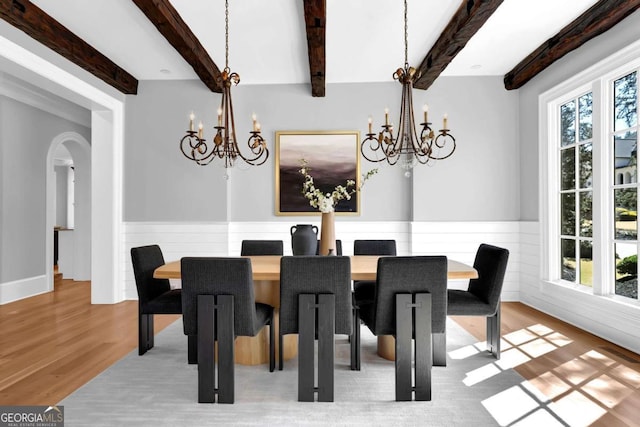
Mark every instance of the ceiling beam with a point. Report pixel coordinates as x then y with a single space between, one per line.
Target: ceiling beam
470 16
599 18
32 20
168 21
315 17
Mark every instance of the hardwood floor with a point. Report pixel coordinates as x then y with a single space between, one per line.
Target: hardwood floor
53 343
590 381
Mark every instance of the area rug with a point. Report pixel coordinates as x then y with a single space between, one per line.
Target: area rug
160 389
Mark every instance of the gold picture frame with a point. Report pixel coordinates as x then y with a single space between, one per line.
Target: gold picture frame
332 157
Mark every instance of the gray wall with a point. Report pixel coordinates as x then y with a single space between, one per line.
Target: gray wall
480 181
25 136
623 34
161 185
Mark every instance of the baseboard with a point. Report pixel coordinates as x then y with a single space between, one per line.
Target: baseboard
24 288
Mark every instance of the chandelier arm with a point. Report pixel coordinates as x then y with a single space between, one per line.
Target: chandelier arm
225 142
373 144
407 144
446 137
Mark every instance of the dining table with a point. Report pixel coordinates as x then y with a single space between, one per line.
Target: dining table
266 281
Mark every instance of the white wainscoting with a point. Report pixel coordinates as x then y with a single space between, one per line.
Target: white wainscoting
609 318
457 240
460 241
176 239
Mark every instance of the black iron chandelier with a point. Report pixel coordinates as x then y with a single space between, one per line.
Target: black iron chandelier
224 146
407 146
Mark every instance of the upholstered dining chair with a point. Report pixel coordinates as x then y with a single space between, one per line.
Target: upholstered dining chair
315 288
218 304
155 296
338 248
482 297
364 290
261 247
410 302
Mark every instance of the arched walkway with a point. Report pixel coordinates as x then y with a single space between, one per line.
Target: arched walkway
80 150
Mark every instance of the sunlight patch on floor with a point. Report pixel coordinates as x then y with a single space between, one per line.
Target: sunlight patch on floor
577 410
510 405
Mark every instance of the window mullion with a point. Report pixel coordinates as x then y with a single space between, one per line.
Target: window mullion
602 195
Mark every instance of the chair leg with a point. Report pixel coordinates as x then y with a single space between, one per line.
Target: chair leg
493 333
354 341
439 349
280 351
145 324
404 329
192 349
226 337
272 342
150 332
306 338
206 363
326 346
424 348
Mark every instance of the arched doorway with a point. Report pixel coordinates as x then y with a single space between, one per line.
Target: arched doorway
80 151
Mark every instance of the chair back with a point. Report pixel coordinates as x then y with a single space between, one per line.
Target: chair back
315 275
261 247
218 276
374 247
145 259
414 274
491 264
338 248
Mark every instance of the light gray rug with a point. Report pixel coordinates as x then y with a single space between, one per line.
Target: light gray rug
160 389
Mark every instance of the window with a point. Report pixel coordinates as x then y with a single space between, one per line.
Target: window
625 189
576 192
591 225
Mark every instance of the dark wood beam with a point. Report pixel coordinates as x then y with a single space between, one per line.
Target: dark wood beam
601 17
470 16
32 20
168 21
315 17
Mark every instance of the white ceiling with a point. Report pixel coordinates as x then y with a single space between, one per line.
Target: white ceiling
364 41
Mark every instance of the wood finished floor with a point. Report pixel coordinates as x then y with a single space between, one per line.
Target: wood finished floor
53 343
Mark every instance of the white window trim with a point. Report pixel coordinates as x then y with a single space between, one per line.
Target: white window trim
597 79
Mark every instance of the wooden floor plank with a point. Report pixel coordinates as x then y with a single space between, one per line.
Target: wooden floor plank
53 343
569 365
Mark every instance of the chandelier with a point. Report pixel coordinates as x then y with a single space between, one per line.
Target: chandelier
406 146
224 146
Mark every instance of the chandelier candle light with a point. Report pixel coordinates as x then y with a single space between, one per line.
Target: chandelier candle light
406 145
195 147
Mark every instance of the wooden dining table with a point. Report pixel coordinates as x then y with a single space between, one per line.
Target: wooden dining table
266 280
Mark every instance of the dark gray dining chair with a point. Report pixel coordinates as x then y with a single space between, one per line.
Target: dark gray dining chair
410 303
364 290
482 297
315 288
155 296
261 247
218 304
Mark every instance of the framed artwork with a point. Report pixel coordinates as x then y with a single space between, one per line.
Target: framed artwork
331 156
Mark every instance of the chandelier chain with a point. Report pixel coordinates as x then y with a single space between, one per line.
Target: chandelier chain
406 35
226 34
